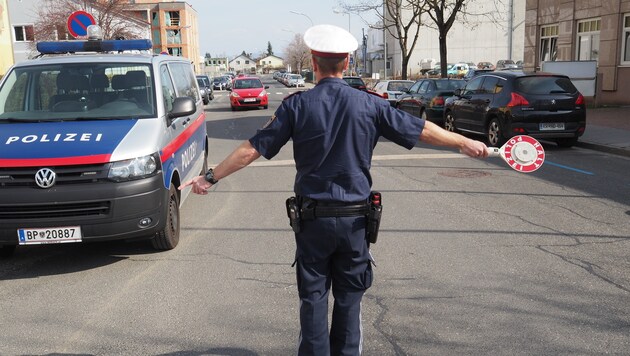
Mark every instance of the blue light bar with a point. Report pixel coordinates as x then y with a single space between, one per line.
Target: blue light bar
59 47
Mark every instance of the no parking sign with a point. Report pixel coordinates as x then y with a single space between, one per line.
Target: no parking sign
78 23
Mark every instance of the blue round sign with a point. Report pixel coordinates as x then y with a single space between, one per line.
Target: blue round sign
78 23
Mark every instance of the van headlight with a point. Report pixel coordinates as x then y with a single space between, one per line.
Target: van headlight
136 168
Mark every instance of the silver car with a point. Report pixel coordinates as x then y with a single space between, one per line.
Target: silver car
295 80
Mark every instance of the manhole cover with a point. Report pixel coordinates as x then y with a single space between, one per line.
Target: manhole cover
464 173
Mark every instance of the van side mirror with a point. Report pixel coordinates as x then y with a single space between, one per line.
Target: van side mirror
182 106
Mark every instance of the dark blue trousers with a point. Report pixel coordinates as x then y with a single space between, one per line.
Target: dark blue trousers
332 252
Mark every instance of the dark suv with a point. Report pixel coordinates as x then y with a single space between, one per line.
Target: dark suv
503 104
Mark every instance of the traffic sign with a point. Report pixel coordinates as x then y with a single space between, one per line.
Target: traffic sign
78 23
523 153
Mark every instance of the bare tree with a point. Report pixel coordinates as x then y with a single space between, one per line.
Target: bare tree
400 18
405 25
110 15
298 54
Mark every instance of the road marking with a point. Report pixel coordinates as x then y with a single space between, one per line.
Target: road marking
570 168
290 162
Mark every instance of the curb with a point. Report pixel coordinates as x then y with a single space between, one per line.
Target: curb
604 148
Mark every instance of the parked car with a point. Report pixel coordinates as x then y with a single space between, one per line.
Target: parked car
356 82
295 80
485 65
474 72
505 64
426 97
205 88
248 92
221 83
503 104
392 89
457 70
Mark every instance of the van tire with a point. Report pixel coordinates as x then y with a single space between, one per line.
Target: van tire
168 238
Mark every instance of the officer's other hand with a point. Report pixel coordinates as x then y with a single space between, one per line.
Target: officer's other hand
473 148
199 185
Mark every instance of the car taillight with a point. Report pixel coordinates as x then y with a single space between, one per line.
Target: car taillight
385 95
437 101
580 100
517 100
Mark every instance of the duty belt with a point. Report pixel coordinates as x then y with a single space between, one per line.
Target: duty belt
311 209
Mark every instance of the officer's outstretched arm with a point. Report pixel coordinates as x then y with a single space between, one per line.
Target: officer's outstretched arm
435 135
242 156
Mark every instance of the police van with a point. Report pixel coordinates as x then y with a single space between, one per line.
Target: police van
95 138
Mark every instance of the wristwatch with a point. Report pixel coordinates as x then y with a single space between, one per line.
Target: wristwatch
210 177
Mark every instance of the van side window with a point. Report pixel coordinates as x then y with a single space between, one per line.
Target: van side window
168 90
184 79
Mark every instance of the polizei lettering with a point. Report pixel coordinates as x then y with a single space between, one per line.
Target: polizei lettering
188 155
60 137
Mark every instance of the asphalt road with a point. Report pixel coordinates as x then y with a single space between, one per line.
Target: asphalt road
473 258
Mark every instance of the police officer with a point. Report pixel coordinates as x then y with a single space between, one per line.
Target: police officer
334 129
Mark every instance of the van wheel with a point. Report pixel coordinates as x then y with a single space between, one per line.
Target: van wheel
168 238
495 135
7 251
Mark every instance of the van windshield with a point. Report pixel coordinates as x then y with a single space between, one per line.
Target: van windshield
66 92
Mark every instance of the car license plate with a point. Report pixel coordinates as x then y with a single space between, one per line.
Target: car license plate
549 126
249 100
53 235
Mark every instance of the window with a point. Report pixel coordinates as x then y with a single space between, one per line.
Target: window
473 86
489 85
23 33
172 18
168 90
625 47
184 80
548 43
588 40
175 51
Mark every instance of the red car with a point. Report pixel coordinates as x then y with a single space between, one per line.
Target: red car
248 92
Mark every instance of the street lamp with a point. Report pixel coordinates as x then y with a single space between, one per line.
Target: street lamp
337 10
302 14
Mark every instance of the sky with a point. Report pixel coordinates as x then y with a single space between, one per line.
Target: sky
227 28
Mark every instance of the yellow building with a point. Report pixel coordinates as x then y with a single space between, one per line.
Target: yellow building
6 41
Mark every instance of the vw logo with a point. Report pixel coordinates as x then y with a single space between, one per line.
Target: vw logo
45 178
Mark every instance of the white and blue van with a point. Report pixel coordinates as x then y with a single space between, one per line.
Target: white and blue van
95 138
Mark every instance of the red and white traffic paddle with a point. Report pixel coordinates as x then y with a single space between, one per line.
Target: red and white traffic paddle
523 153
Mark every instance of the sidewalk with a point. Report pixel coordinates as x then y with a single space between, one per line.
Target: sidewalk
608 130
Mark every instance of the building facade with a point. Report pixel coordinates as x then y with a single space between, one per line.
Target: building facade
269 63
582 30
216 66
6 39
242 64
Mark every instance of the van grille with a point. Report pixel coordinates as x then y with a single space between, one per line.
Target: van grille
41 211
25 177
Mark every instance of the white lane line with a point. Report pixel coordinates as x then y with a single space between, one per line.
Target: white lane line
290 162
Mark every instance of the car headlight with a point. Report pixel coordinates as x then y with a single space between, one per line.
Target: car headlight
234 94
136 168
262 93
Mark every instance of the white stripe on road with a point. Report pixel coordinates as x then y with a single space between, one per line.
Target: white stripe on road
290 162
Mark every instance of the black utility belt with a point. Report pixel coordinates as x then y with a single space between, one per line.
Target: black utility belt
299 209
336 211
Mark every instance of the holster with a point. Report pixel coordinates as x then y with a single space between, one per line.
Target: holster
374 217
293 212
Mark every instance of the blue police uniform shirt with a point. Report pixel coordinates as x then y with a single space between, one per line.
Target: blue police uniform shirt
334 129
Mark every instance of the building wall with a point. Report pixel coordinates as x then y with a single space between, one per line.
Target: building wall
215 66
613 82
484 37
21 14
243 64
6 39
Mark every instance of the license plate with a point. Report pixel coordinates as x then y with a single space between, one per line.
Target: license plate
549 126
53 235
249 100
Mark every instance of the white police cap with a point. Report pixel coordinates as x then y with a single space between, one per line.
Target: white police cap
330 41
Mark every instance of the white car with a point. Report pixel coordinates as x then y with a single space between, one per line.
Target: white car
295 80
392 89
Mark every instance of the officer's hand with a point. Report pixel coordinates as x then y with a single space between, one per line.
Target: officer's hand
199 185
474 148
